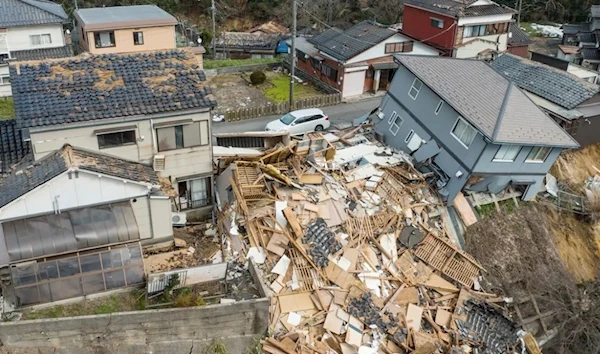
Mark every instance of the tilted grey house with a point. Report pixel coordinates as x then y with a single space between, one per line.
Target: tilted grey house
468 125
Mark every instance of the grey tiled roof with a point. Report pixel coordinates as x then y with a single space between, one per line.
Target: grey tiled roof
12 146
344 45
30 12
518 37
590 53
43 53
460 9
247 40
586 37
574 29
118 14
557 86
92 87
595 10
29 175
495 106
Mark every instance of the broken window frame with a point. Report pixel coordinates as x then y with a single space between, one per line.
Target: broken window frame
189 200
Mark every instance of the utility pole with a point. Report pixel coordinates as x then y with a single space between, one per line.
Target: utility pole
214 29
293 54
519 14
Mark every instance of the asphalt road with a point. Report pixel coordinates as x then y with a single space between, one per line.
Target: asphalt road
339 114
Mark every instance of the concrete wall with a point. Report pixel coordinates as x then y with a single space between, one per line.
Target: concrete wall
177 331
18 37
155 38
178 163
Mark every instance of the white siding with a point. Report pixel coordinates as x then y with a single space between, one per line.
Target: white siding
378 50
88 188
475 47
354 83
18 37
480 20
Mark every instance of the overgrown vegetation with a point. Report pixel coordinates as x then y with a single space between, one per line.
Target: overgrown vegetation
258 77
277 88
213 64
7 108
216 347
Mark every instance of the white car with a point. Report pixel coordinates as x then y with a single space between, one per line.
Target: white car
300 122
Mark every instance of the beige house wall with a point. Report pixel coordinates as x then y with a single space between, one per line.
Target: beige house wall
178 163
153 217
155 38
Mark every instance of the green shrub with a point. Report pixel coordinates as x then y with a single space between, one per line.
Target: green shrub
188 300
258 77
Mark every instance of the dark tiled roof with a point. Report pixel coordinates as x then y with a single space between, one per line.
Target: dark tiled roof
30 12
92 87
12 146
44 53
460 9
344 45
29 175
518 37
595 10
590 53
586 37
494 105
557 86
574 29
247 40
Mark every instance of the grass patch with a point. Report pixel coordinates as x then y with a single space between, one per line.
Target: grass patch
223 63
7 108
526 26
277 88
506 207
114 303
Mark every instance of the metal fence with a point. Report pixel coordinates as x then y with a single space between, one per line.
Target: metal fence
283 107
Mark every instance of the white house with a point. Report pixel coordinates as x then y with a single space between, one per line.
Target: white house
30 30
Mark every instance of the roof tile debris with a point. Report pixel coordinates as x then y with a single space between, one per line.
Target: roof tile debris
478 93
247 40
371 293
31 12
344 45
557 86
94 87
12 147
460 8
270 27
28 174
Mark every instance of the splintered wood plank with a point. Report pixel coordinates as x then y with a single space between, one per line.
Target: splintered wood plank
464 210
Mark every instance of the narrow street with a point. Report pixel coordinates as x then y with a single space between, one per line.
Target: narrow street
345 112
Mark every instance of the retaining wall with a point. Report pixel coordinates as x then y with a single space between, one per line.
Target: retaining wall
174 331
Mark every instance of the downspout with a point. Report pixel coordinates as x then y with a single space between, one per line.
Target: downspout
150 216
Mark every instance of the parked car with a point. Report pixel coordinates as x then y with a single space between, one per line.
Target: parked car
300 122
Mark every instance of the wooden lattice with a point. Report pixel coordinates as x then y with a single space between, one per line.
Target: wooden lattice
308 278
445 257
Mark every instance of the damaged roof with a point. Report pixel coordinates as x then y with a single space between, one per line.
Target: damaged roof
574 29
247 40
557 86
28 175
488 100
459 8
95 87
270 27
343 45
12 147
31 12
517 36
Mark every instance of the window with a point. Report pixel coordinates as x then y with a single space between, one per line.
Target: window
182 136
439 107
194 193
316 63
396 123
409 136
400 47
507 153
415 88
538 154
463 132
392 117
329 71
104 39
484 30
5 80
436 22
116 139
138 38
40 39
300 55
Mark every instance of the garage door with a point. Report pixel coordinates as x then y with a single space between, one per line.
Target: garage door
353 83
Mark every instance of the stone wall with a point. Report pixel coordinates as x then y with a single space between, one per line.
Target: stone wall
174 331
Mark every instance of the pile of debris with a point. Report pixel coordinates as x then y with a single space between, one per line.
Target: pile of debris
353 247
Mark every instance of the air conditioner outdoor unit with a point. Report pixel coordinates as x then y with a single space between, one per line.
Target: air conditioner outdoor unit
159 163
178 219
